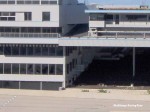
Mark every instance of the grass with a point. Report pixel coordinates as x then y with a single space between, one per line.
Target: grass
148 91
85 90
102 91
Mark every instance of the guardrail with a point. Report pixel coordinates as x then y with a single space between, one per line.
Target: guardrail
40 35
123 34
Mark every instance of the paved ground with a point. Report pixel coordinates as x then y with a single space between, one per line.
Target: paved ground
74 100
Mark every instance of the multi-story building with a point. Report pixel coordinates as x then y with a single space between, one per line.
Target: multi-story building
119 21
30 57
45 44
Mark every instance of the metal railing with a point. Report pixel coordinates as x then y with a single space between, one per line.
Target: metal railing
40 35
123 34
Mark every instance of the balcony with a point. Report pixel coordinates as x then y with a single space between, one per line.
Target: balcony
26 35
123 34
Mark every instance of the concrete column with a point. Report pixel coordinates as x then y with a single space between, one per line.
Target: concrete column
19 84
40 85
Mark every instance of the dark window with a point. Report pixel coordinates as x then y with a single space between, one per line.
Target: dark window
22 68
45 69
22 50
27 16
44 2
52 51
96 17
44 51
1 50
3 18
52 69
15 68
7 50
11 18
1 68
109 17
37 69
20 2
11 2
3 2
12 13
7 68
59 69
30 69
35 2
46 16
29 50
59 51
37 51
15 50
53 2
5 13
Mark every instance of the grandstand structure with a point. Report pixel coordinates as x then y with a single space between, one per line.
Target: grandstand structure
48 44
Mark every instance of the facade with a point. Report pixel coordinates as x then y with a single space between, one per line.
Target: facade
30 57
39 51
119 21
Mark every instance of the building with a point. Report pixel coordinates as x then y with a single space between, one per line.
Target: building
47 44
30 57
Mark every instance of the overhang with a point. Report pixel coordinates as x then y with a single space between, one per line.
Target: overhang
105 42
4 40
119 11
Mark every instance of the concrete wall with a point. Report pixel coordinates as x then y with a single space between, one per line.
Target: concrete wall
36 15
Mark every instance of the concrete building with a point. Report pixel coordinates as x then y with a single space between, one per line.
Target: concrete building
47 44
30 57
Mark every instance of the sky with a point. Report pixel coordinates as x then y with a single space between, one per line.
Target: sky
119 2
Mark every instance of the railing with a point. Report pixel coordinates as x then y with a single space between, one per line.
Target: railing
40 35
123 34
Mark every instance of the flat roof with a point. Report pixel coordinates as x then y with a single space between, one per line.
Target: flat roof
119 11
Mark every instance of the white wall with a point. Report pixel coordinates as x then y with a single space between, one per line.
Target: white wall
96 24
36 15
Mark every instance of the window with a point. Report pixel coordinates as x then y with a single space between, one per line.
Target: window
30 69
7 68
15 68
37 69
109 17
45 51
59 51
22 68
15 50
46 16
27 16
59 69
22 50
51 69
1 68
45 69
30 51
7 50
1 50
52 51
37 51
96 17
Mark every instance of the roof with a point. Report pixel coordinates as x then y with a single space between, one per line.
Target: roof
118 11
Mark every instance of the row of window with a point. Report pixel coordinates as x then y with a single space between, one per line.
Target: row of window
36 69
10 16
31 51
28 2
7 13
96 17
31 29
